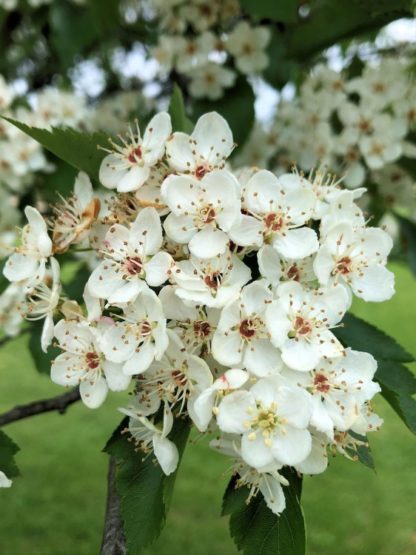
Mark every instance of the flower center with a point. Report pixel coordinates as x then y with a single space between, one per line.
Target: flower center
202 329
321 383
248 328
207 214
343 265
179 377
135 154
213 281
200 171
302 326
273 221
293 273
92 360
133 265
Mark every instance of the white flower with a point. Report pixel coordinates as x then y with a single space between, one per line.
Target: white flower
11 317
210 80
175 379
339 388
42 301
74 217
128 166
299 323
193 52
272 420
274 268
132 258
6 94
317 460
202 407
145 432
207 148
140 336
83 363
28 262
242 338
213 282
357 258
247 45
202 211
4 481
278 209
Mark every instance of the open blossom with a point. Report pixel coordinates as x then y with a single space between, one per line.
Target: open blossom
207 148
242 337
128 166
28 263
139 336
272 420
42 301
82 362
277 210
247 44
339 387
75 216
210 80
146 433
202 211
356 258
213 282
132 257
299 322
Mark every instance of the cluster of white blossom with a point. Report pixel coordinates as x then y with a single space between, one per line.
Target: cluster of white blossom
358 126
9 5
199 40
217 294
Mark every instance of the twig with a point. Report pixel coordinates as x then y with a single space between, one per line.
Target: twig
114 542
59 403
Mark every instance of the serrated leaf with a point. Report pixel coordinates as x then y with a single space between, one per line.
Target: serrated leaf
362 336
79 150
285 11
8 450
180 121
258 531
396 377
403 405
236 106
144 490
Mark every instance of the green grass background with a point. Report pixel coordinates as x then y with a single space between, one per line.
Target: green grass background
56 507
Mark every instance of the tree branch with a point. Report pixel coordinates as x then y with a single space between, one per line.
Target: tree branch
59 403
114 542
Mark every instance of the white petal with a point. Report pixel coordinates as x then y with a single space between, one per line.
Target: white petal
255 452
111 171
20 267
209 242
116 379
166 453
179 152
300 355
293 446
262 359
214 137
47 333
146 230
374 284
93 394
269 264
227 347
158 269
247 231
140 360
296 243
233 412
133 178
273 495
157 132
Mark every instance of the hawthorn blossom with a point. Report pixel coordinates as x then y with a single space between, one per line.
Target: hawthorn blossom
213 282
210 80
74 217
82 362
202 211
42 302
132 257
128 165
242 337
299 323
247 44
145 432
272 420
339 387
139 336
206 149
356 258
11 317
277 211
28 263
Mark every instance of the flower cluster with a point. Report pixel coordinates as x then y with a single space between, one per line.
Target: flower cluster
360 127
207 43
216 295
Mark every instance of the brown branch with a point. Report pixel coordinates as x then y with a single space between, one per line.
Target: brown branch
114 542
59 403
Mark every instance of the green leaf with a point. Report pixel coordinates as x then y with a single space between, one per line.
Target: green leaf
396 377
76 148
362 336
180 121
408 240
362 450
258 531
236 106
144 490
283 10
8 450
403 405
